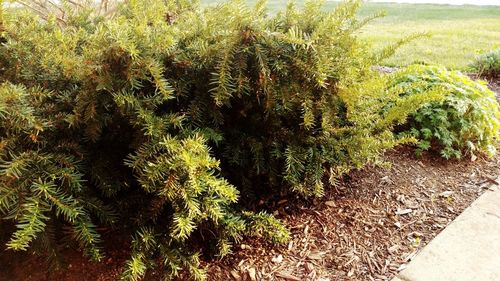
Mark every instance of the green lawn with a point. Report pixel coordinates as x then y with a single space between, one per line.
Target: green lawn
458 33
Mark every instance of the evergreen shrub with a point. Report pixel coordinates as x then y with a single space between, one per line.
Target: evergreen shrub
465 120
157 118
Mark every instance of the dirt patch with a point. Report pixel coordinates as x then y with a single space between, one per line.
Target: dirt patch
494 84
366 228
19 266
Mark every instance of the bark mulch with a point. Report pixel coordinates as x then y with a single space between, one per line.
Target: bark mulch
368 227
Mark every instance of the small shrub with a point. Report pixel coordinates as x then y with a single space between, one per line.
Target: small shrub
487 65
465 120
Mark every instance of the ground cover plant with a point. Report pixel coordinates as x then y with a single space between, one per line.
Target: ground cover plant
487 64
457 32
157 117
466 120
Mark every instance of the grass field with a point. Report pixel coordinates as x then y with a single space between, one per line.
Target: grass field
457 33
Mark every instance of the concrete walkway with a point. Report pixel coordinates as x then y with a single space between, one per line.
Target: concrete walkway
467 250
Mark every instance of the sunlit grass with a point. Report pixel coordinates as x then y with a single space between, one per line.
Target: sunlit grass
452 43
458 33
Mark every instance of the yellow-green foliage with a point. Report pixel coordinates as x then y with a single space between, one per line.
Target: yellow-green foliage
466 119
166 114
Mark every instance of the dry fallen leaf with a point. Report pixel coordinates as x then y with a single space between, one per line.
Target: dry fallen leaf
309 266
403 211
446 194
411 204
252 274
287 276
416 234
386 179
316 255
330 203
235 275
393 249
244 246
283 201
351 272
441 220
277 259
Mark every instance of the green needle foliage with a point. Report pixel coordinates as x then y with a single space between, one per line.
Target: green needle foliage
465 120
162 114
40 176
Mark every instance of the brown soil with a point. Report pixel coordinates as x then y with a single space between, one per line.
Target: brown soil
18 266
494 84
366 228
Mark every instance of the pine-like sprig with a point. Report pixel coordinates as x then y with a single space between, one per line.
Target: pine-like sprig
166 113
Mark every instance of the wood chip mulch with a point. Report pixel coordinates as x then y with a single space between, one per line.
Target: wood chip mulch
366 228
370 226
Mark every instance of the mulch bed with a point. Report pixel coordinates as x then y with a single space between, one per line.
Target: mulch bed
366 228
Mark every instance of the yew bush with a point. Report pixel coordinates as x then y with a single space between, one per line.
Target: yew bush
157 117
